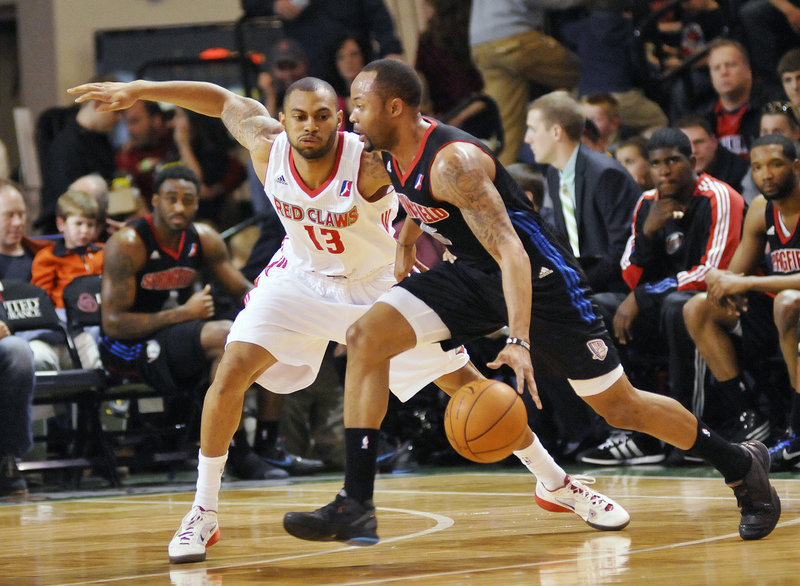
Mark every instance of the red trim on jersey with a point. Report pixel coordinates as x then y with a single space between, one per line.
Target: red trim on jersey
321 188
778 223
173 253
403 177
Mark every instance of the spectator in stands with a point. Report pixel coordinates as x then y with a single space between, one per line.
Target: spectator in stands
80 148
789 73
77 254
684 34
16 405
688 225
736 110
511 50
771 27
16 257
149 142
157 325
709 155
350 57
632 154
771 300
203 144
444 61
287 62
776 118
319 25
603 110
593 195
604 41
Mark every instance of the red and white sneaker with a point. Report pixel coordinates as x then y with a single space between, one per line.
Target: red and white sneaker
599 511
199 530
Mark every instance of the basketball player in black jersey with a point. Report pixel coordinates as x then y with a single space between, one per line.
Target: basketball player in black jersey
509 270
771 222
157 325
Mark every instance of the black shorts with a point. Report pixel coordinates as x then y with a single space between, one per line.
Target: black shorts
172 359
568 337
759 334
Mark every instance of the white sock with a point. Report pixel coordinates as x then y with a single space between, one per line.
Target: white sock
209 481
541 464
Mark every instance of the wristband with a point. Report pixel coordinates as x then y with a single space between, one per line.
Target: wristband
519 342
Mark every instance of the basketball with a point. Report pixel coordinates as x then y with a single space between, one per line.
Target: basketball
485 420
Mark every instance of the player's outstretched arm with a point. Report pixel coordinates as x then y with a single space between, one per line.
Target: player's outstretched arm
247 119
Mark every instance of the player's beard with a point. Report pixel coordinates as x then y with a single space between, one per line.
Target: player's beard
784 189
312 153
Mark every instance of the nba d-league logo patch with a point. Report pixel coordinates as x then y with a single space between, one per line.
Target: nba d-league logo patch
598 349
347 187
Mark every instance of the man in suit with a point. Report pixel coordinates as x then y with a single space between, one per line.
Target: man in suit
593 195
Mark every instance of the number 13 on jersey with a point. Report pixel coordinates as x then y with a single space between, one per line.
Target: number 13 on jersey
328 239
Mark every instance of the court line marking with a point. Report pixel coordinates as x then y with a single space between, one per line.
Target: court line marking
442 523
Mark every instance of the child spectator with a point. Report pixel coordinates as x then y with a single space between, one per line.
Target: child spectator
77 215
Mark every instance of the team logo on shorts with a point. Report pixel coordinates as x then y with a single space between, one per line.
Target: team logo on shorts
153 350
598 349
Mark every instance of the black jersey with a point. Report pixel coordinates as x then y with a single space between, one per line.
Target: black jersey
784 250
442 220
166 270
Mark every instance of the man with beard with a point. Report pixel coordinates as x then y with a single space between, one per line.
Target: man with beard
743 296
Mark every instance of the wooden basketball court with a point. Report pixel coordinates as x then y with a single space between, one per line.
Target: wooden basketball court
467 527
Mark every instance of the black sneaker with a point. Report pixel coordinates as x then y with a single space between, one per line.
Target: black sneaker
749 426
785 455
624 449
12 482
344 519
246 465
277 456
756 497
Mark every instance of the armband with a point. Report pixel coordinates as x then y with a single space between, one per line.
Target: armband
519 342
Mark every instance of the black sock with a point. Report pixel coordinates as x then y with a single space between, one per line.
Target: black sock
794 414
361 445
732 461
266 434
735 392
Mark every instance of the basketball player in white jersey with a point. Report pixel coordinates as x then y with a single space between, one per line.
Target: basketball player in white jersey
336 203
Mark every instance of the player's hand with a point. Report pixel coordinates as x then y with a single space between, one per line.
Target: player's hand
4 330
721 284
405 259
113 95
201 304
660 212
519 359
626 314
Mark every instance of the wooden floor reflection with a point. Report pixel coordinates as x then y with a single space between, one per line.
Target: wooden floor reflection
465 528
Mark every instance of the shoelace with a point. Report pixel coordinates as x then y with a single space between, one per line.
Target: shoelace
614 440
587 494
186 535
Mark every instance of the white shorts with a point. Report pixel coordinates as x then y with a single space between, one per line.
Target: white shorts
294 315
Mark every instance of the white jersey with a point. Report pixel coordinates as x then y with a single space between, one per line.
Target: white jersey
332 230
336 260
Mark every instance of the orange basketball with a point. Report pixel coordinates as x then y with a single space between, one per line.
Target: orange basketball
485 420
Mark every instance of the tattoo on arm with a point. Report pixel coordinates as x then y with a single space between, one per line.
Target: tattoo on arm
247 120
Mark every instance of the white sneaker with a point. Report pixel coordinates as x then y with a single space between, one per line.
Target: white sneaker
596 509
199 530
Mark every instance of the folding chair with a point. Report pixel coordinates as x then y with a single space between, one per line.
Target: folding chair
83 304
29 308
